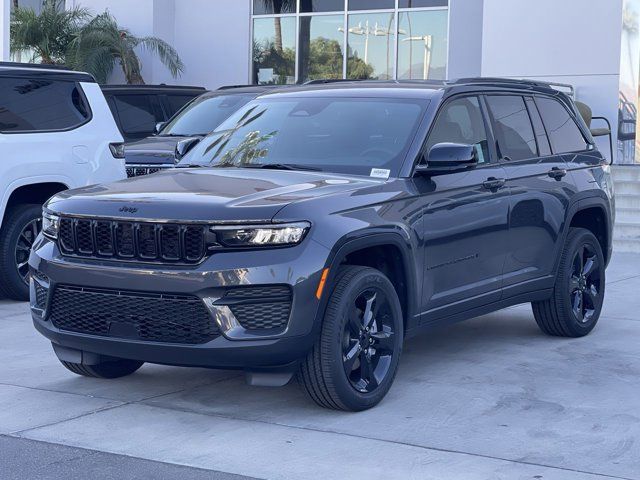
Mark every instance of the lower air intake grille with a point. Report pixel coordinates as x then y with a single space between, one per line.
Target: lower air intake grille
260 308
133 315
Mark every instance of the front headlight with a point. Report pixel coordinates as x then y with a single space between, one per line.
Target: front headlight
50 225
262 235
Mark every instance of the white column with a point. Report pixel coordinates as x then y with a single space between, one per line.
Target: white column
5 15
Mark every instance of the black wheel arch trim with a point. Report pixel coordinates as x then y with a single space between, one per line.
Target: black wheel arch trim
582 201
374 238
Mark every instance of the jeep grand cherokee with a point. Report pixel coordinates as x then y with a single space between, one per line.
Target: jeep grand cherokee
320 226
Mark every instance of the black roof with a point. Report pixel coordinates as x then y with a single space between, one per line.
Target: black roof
151 88
43 71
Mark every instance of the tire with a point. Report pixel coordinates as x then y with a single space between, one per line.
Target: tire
12 249
341 344
574 307
112 369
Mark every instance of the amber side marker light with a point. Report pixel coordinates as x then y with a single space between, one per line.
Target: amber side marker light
323 279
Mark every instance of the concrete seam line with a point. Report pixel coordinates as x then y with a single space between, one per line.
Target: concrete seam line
408 444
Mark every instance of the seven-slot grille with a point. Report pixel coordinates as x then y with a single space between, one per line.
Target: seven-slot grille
133 315
138 171
143 241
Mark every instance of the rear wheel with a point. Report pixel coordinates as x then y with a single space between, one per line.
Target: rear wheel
112 369
355 359
575 305
21 226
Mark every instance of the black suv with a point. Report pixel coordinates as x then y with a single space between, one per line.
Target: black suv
191 123
320 226
138 109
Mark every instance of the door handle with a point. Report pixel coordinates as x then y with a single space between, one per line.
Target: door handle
493 183
557 173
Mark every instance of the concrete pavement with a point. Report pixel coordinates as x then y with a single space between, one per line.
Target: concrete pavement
488 398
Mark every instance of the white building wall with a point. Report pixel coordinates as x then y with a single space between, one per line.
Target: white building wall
568 41
213 38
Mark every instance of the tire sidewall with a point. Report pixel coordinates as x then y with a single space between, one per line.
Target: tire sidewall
353 399
580 238
12 227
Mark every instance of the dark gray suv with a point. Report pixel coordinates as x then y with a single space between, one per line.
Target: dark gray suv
319 226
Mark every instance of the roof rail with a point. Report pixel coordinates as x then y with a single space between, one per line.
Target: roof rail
229 87
44 66
321 81
515 81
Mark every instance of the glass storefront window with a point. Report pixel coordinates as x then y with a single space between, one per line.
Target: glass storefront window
274 50
266 7
321 47
422 45
371 4
312 6
371 47
422 3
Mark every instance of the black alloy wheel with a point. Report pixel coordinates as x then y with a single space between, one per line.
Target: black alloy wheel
26 239
368 340
584 285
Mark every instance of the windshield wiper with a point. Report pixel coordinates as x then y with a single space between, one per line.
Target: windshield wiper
281 166
189 165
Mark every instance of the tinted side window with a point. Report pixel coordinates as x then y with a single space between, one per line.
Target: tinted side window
563 132
538 127
512 127
29 105
137 113
176 102
461 121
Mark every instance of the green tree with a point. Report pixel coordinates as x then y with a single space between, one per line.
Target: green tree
102 43
46 36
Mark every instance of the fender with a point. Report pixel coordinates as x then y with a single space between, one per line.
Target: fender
24 181
582 201
371 238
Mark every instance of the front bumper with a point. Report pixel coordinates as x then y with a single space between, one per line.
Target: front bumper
298 267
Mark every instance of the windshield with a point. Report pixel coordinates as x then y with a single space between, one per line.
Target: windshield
204 114
364 136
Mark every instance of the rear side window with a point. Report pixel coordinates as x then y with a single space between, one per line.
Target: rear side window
512 126
137 113
563 132
30 105
176 102
538 127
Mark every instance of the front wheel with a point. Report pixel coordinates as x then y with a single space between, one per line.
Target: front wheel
355 359
575 305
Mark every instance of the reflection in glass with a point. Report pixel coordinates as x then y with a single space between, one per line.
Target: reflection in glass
422 3
422 45
370 53
274 50
309 6
370 4
321 47
262 7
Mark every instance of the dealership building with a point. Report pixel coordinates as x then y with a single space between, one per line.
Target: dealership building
591 45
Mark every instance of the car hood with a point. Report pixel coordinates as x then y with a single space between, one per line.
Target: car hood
152 150
204 194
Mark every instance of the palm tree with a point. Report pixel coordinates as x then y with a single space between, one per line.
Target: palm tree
47 35
101 43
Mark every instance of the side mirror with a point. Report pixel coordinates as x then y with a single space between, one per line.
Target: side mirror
159 126
184 146
444 158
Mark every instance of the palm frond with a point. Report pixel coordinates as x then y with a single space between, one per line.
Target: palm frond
167 54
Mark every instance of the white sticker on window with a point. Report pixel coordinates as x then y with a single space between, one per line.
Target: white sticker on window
380 173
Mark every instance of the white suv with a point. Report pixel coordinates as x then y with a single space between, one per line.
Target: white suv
56 132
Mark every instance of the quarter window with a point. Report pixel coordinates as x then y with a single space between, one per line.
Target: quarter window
30 105
538 127
563 132
512 126
461 121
